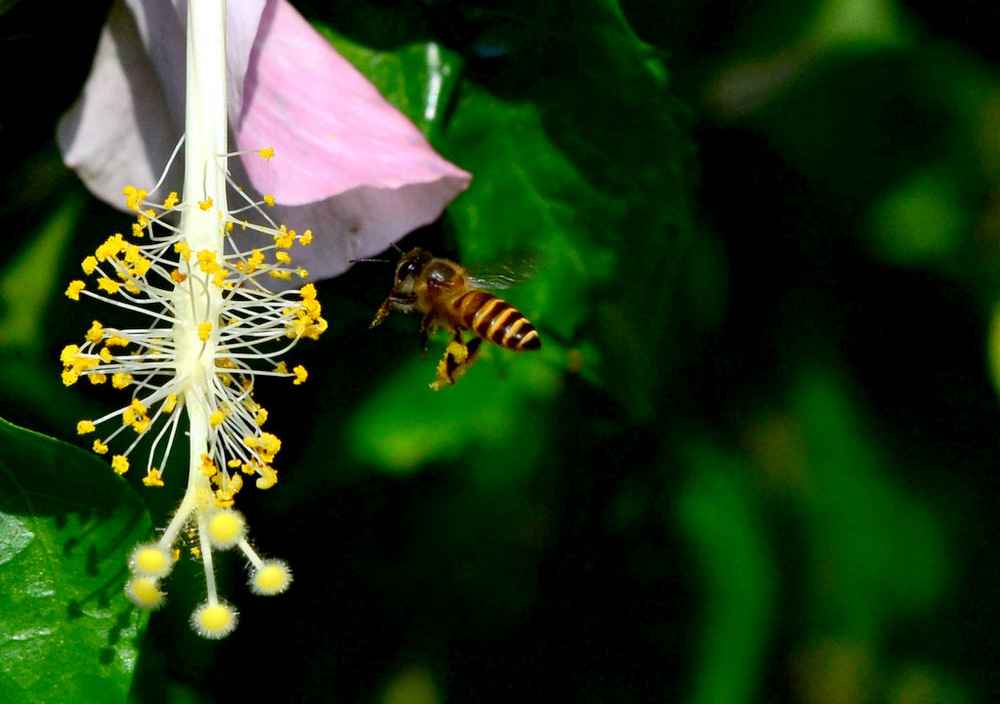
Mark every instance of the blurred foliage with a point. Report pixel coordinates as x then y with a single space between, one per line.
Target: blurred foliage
754 461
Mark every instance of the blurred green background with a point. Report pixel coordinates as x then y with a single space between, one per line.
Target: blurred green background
755 461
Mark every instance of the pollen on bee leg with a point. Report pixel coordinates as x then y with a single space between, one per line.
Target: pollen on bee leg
456 361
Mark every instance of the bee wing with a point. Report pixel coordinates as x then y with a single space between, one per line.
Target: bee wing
501 275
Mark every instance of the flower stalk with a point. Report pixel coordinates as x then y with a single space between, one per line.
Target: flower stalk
213 327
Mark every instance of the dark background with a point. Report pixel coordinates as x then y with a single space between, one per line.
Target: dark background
756 460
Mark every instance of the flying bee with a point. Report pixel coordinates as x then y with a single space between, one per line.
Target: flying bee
450 298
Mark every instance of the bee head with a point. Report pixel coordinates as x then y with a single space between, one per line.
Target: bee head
409 268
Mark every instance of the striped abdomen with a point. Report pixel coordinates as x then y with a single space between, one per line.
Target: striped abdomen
496 320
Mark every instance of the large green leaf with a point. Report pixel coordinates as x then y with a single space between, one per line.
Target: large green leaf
67 524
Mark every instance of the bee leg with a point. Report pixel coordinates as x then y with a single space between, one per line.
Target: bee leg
450 368
426 325
458 357
382 313
473 351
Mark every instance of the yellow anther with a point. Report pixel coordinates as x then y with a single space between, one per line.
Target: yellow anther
106 284
119 463
140 266
268 445
266 152
255 260
208 467
268 477
96 332
110 247
207 262
153 477
204 331
69 354
133 196
314 331
85 426
73 290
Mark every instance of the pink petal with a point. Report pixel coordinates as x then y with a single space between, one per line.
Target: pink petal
348 166
124 127
333 133
126 123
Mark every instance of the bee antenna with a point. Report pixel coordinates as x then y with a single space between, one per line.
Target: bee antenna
379 261
396 247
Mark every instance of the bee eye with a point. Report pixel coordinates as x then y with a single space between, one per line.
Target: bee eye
406 270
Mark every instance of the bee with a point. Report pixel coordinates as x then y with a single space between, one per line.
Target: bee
452 299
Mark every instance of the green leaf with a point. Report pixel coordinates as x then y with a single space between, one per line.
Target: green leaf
580 163
67 525
418 79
